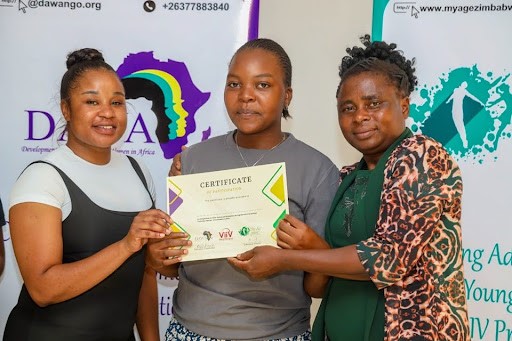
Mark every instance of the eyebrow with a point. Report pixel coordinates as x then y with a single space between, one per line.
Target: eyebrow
261 75
265 75
365 98
340 103
89 92
94 92
369 97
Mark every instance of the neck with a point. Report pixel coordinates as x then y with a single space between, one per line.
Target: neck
97 156
371 161
254 141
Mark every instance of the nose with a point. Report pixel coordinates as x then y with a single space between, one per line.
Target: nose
246 94
361 115
107 111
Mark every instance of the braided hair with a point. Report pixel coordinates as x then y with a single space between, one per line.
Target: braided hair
379 57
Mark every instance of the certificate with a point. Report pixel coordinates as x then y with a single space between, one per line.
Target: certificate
228 212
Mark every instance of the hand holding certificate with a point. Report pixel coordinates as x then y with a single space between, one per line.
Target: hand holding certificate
228 212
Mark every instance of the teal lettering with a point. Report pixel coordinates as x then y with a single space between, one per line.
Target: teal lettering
476 325
496 256
493 295
495 253
501 328
473 257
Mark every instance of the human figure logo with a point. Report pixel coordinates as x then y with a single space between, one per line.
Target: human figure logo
468 112
175 99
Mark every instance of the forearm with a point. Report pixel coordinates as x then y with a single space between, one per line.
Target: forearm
147 312
315 283
339 262
61 282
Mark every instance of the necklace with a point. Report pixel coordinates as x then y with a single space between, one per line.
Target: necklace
262 156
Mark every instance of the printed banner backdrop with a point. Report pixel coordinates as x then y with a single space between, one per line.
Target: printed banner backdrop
464 100
165 52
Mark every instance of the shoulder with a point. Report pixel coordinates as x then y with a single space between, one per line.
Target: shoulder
420 146
215 143
213 154
419 142
29 187
303 150
124 160
424 154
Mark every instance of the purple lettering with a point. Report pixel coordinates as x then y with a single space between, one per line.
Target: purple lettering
144 130
31 124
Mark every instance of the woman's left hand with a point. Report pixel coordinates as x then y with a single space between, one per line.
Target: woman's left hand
260 262
152 223
292 233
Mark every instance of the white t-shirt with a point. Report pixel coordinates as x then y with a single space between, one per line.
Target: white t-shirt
114 186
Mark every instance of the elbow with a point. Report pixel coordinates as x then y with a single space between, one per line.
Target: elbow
316 293
42 296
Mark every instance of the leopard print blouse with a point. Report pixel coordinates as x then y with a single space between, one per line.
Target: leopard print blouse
415 254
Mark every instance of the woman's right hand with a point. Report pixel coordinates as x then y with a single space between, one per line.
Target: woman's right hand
153 223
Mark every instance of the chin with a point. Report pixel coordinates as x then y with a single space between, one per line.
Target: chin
248 130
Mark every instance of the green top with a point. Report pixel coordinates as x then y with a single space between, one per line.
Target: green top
351 305
354 310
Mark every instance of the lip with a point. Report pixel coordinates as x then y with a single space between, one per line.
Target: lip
364 133
105 129
246 112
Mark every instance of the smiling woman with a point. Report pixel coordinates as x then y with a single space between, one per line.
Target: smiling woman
78 241
95 112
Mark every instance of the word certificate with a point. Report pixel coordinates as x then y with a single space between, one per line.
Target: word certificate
228 212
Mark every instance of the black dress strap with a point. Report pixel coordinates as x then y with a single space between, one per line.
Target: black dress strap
140 173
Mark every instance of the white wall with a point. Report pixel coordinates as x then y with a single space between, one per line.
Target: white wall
316 34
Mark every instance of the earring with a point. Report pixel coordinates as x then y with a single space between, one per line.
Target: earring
285 111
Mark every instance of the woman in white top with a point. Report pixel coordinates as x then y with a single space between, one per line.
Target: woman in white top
79 222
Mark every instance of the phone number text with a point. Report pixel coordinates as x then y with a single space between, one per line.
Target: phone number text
196 6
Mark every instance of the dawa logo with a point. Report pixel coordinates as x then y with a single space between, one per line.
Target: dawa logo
469 112
174 97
